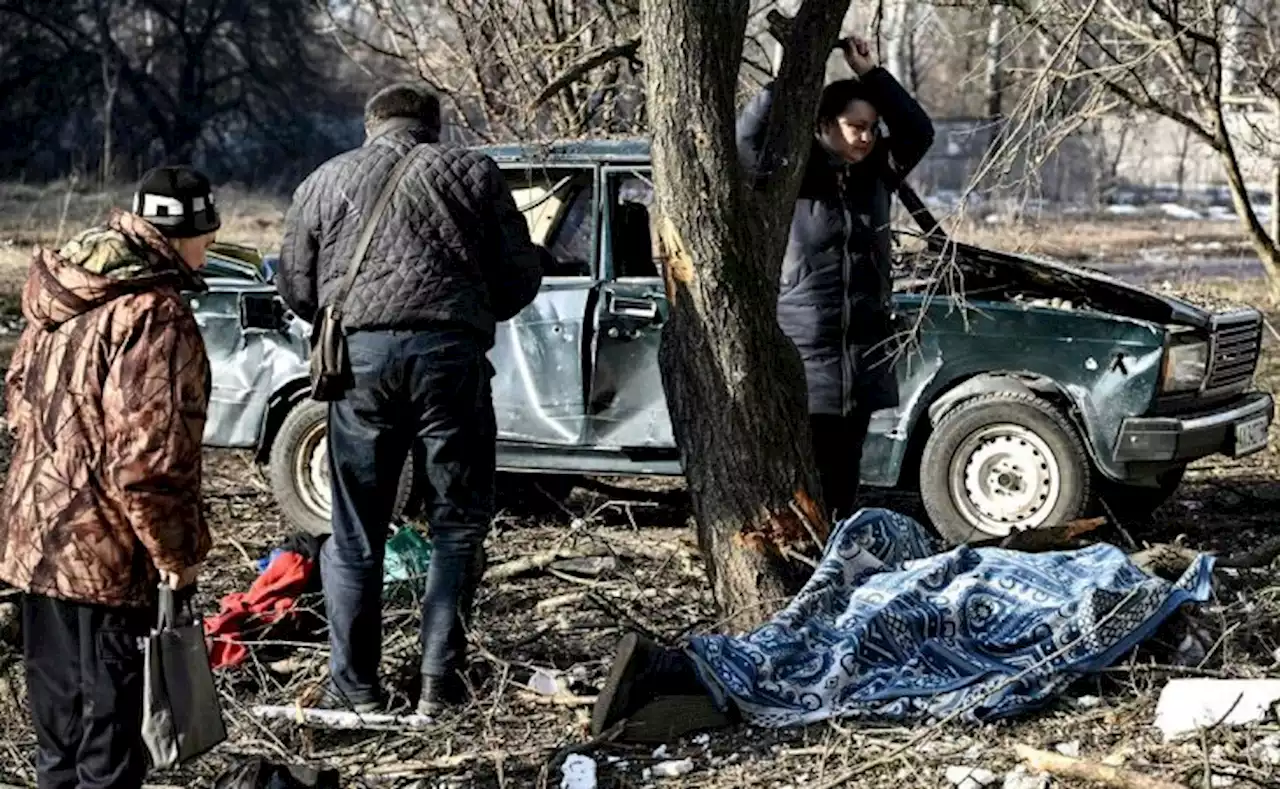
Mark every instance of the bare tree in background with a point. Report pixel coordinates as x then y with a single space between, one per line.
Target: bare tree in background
554 68
160 79
1182 60
734 383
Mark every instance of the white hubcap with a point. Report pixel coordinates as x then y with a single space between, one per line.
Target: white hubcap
1004 479
311 471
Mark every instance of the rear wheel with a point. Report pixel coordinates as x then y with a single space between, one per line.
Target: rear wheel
299 470
1000 463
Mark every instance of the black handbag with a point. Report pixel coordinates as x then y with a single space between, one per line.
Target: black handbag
330 365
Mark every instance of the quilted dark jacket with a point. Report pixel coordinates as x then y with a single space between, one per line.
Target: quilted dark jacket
475 267
835 296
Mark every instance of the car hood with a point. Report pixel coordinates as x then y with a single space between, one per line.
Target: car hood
1102 290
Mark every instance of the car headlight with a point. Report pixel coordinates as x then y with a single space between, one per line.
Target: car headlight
1185 366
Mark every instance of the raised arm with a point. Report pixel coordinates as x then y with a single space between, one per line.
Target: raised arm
910 129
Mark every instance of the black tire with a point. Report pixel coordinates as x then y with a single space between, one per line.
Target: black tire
1039 478
1130 503
296 490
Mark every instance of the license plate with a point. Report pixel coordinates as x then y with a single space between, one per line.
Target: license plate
1251 436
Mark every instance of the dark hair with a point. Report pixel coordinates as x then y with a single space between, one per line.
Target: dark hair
837 97
404 100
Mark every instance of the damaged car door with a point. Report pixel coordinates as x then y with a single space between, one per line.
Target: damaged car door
627 408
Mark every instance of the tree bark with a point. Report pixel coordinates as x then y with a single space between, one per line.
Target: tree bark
734 383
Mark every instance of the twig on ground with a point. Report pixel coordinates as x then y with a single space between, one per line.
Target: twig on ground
1068 767
532 563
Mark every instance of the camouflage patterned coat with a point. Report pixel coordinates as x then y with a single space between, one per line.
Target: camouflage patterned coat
106 393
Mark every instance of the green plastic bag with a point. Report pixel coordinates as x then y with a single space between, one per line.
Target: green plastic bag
407 559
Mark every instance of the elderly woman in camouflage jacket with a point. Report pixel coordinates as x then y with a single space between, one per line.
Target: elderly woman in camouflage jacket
106 394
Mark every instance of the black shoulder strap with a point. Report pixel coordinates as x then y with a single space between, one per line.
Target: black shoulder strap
370 226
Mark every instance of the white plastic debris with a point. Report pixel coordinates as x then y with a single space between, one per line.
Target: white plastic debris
578 772
660 752
1267 750
1019 778
1088 702
1187 705
964 777
1071 749
548 683
673 769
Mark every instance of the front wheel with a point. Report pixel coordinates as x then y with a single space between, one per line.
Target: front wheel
299 470
1000 463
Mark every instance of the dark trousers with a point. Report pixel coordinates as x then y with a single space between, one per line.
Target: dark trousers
837 447
84 685
432 388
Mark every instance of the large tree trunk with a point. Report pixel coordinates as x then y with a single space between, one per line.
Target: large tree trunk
734 383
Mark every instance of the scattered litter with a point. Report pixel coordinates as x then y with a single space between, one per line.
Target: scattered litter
964 777
1266 750
1088 702
1186 705
673 769
1221 781
1071 749
578 772
660 752
548 683
1020 778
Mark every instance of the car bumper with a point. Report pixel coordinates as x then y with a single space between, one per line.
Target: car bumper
1231 430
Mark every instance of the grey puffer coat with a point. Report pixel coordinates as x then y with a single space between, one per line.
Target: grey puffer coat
835 293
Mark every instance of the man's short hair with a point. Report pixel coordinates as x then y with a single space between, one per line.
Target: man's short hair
404 100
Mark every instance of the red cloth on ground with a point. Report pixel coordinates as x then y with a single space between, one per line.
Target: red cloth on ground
270 599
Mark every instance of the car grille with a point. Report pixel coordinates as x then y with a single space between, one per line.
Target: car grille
1236 344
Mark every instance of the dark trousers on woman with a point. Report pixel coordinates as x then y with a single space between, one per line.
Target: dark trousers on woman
837 447
84 686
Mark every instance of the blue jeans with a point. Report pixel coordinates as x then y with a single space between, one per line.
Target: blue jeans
430 387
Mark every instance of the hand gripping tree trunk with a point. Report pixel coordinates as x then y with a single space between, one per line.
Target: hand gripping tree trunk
734 383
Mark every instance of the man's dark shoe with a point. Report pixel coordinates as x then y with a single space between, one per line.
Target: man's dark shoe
336 700
439 693
643 673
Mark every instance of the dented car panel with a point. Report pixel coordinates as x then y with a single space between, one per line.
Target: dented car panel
1107 367
248 364
577 386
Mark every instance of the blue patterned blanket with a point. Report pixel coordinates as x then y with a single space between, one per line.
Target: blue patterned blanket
887 630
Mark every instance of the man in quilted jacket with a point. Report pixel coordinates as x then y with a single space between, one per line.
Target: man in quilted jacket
106 393
449 259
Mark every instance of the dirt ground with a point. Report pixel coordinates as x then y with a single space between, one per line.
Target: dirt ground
650 578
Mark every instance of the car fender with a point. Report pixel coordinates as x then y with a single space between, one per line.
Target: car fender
279 405
1070 399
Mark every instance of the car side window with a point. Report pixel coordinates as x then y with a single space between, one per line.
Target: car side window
559 207
630 227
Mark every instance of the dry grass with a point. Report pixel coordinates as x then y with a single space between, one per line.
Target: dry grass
49 215
1103 238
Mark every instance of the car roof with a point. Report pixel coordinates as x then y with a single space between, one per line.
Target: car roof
611 150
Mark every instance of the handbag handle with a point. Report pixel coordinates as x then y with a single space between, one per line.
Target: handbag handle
167 607
367 230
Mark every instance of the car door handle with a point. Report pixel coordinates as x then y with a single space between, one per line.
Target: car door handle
644 309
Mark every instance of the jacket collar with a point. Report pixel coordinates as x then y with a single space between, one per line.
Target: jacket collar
401 128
